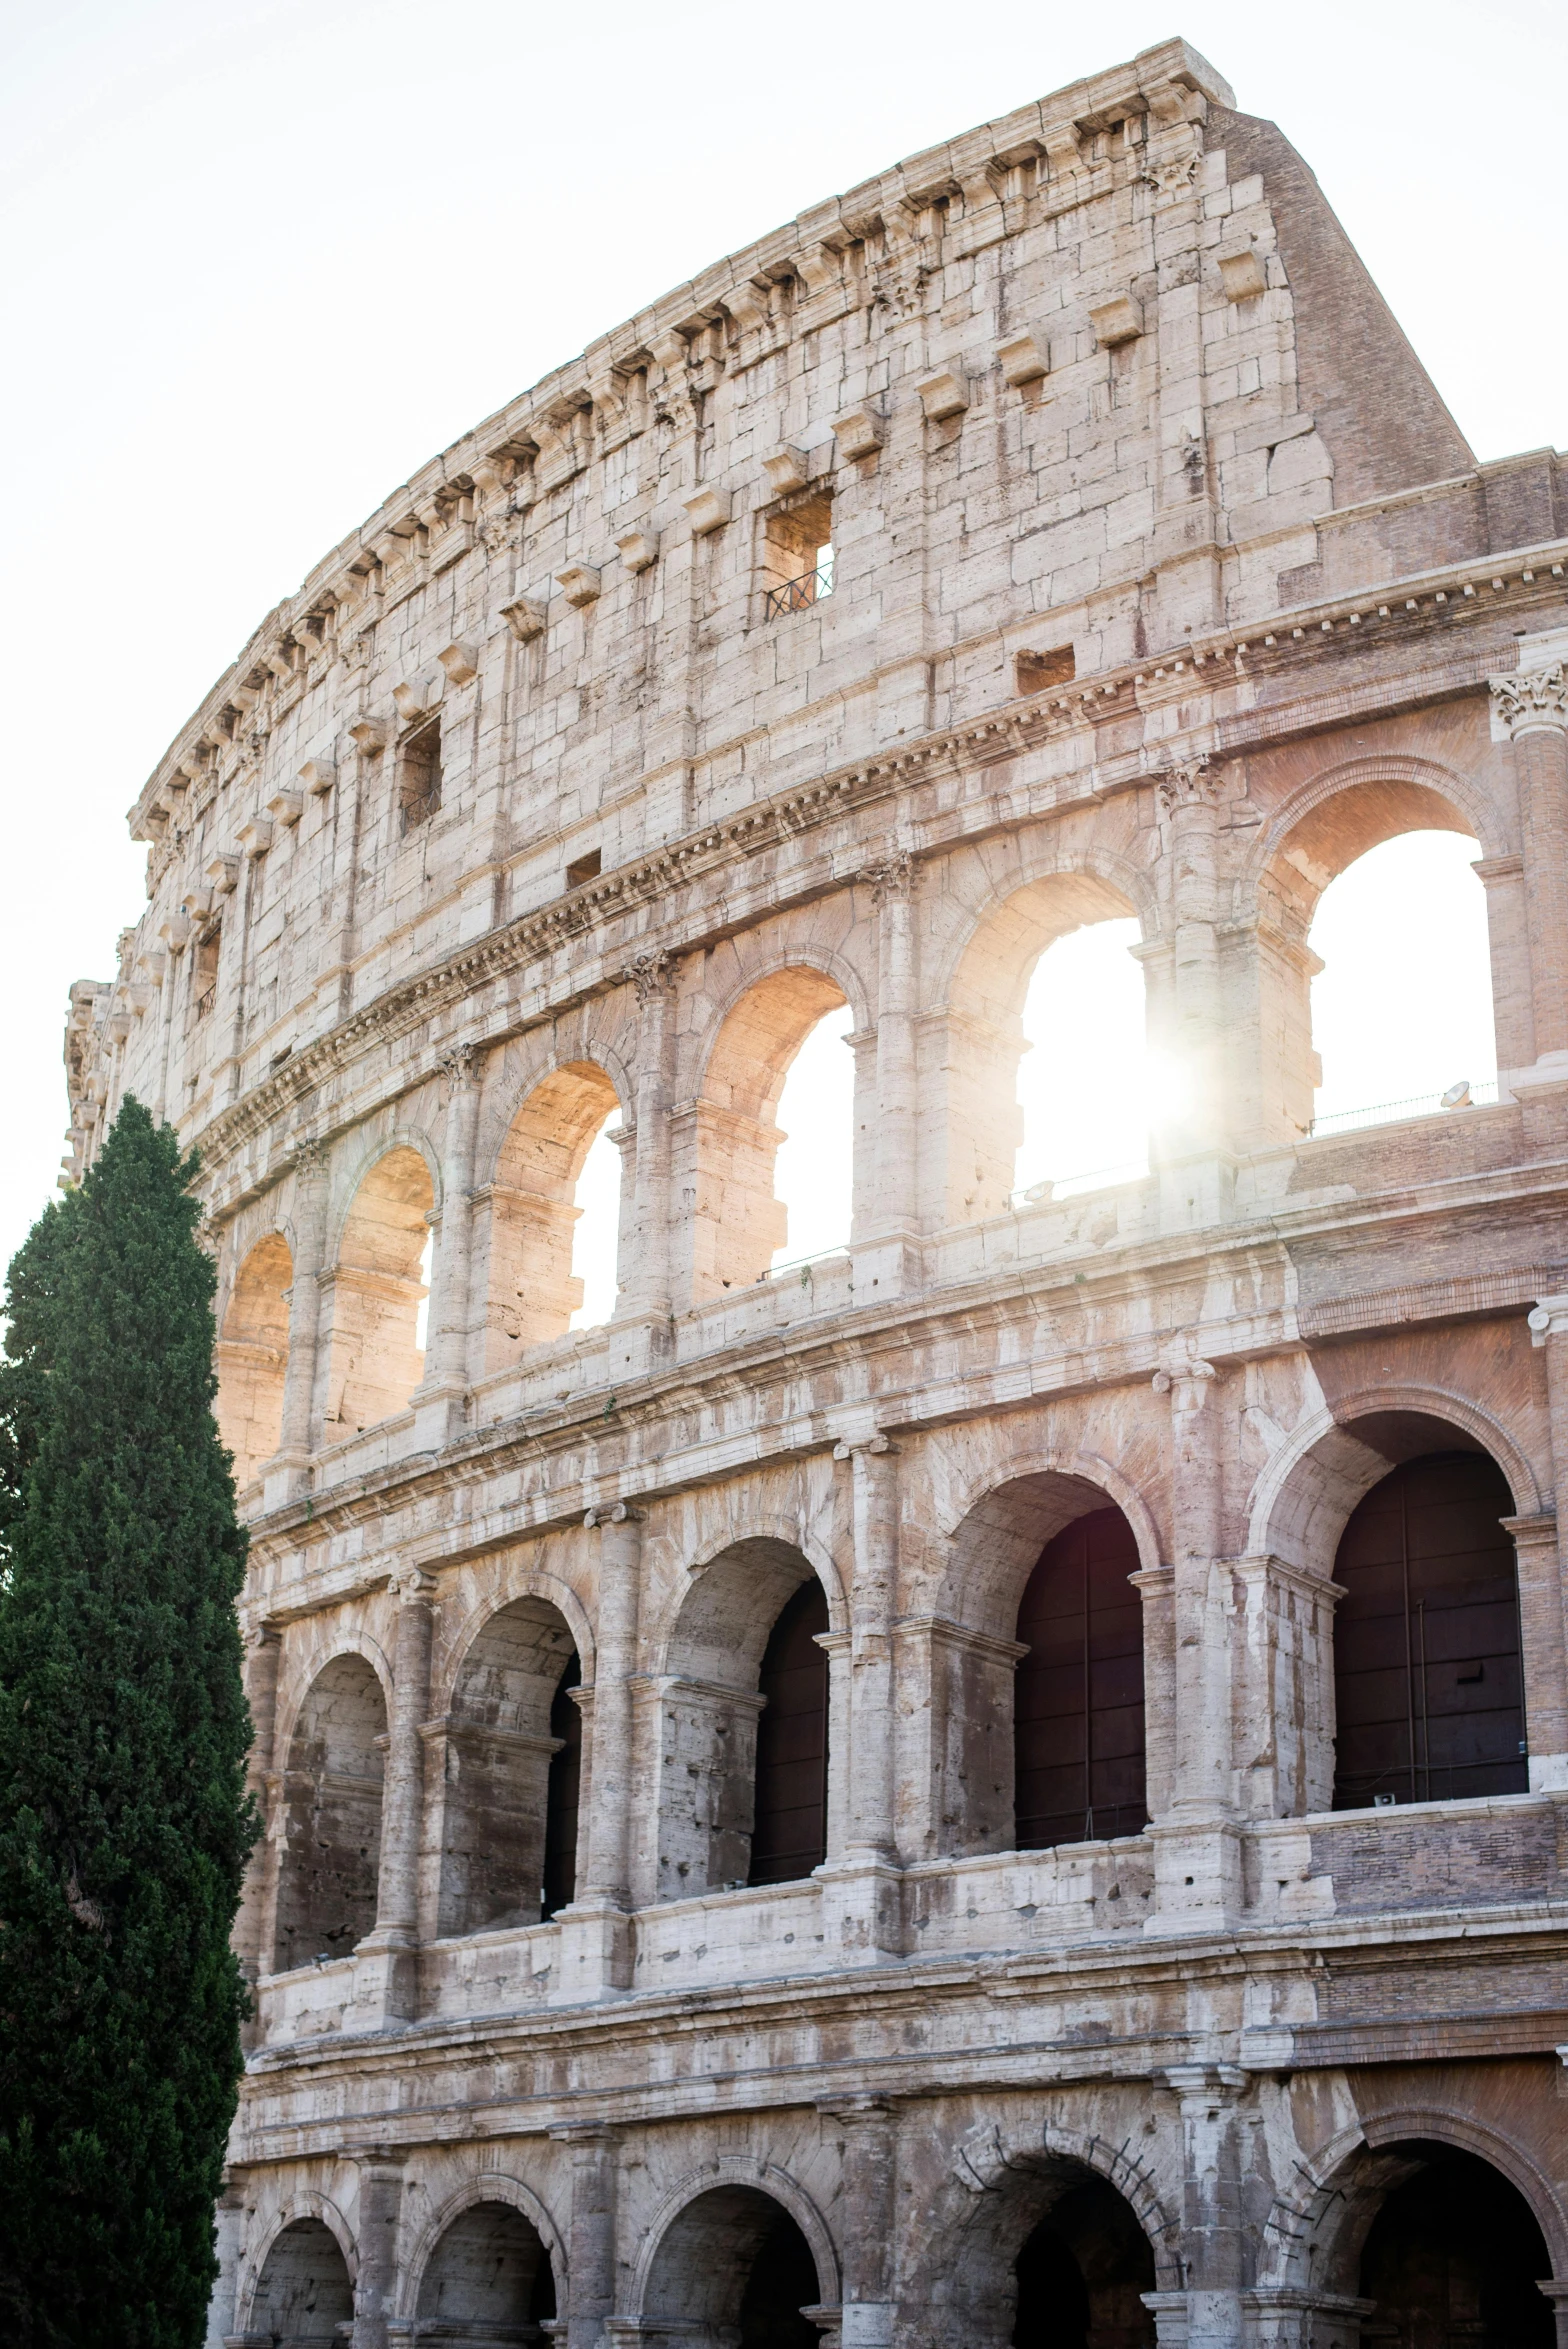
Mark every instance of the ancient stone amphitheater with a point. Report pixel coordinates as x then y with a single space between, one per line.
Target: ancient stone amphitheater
859 1804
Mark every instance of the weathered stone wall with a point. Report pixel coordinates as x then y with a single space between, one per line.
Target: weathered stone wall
1163 586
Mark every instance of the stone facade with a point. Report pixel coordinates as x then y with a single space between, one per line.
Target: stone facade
1163 585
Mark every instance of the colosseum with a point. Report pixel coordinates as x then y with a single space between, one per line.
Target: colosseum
852 1800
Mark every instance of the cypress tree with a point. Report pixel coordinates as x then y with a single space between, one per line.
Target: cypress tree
124 1824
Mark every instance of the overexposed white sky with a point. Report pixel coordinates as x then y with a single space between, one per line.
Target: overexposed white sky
262 257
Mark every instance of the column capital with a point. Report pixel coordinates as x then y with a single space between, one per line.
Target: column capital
1190 781
1548 1319
891 876
876 1447
411 1584
611 1513
457 1066
653 974
312 1161
1531 701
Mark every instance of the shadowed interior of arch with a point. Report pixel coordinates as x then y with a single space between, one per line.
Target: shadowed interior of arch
332 1822
378 1288
735 2271
1428 1671
738 1804
252 1357
513 1741
537 1277
1082 2272
489 2279
1454 2253
303 2294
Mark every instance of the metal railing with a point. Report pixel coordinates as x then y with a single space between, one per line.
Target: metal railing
206 999
795 595
1382 1113
1068 1186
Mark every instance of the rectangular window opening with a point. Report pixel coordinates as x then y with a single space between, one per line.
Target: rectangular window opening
1039 671
797 555
583 868
419 776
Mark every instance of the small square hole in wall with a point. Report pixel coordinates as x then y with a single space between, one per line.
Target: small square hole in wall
583 868
419 776
1037 671
797 554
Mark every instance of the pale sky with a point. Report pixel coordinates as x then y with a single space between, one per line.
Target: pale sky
262 258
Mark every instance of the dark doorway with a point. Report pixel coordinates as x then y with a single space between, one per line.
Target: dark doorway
789 1835
1453 2256
1427 1680
1081 2274
783 2281
562 1790
1078 1696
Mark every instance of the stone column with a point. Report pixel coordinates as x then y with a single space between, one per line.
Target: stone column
1541 1548
263 1651
861 1909
1197 1852
650 1290
1213 2241
596 1950
1194 1126
287 1475
897 1140
402 1800
375 2286
1531 705
591 2248
886 1254
440 1405
868 2231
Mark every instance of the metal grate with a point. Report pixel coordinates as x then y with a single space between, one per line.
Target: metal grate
812 587
206 1000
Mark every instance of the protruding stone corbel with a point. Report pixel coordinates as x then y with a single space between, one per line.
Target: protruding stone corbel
788 468
1026 357
526 617
1116 321
638 549
944 394
460 661
317 776
1243 272
708 511
286 808
580 583
859 433
223 872
369 737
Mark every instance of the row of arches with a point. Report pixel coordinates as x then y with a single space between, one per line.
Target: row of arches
1427 1686
1054 1074
1438 2246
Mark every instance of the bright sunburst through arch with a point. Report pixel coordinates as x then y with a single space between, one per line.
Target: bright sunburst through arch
813 1173
1084 1081
597 1232
1402 1008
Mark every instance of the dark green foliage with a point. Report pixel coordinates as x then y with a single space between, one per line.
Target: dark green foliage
123 1730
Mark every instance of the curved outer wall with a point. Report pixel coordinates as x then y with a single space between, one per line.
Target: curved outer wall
1164 585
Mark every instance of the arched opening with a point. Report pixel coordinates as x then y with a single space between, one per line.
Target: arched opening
1455 2254
253 1353
489 2279
1402 1005
813 1174
1083 1083
1428 1670
1046 975
304 2294
332 1832
1082 2273
378 1288
554 1214
1078 1730
740 1223
789 1835
1373 953
736 1808
1036 1672
508 1847
735 2269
